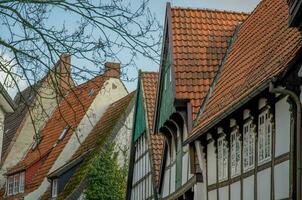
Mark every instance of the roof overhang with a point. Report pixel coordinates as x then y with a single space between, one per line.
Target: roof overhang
195 135
6 101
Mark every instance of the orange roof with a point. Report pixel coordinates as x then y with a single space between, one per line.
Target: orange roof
264 47
156 142
97 137
105 125
70 111
200 39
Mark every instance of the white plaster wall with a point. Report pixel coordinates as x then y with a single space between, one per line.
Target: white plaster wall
212 195
123 140
235 191
264 184
282 127
112 90
44 105
223 193
199 193
172 178
248 188
185 168
166 184
282 180
212 167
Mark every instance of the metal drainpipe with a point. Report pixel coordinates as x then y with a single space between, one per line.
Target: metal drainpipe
296 99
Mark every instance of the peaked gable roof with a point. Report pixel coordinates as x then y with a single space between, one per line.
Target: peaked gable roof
200 39
25 100
263 49
70 112
112 120
156 141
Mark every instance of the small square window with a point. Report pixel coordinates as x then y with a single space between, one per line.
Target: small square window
65 130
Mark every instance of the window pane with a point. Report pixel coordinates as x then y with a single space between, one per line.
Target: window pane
21 185
16 183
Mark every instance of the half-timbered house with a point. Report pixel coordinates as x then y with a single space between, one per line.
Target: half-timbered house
147 147
247 133
195 42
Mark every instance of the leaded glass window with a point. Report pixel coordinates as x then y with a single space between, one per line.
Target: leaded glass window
264 137
235 153
248 146
222 159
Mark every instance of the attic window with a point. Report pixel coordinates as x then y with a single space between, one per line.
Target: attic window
91 92
65 130
15 183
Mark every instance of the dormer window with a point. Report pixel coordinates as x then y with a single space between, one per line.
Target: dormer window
91 92
65 130
15 184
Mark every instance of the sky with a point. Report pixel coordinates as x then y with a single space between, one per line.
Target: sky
158 8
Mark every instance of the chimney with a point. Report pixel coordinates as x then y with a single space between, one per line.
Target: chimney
112 69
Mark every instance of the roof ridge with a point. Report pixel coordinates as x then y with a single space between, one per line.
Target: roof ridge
211 10
149 72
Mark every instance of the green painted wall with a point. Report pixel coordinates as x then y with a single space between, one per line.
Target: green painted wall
166 107
140 121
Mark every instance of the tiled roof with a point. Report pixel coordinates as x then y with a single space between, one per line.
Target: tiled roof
70 111
96 138
200 39
13 120
156 143
263 48
25 99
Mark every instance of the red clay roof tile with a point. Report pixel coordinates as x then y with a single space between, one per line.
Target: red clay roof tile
263 48
200 38
156 142
70 111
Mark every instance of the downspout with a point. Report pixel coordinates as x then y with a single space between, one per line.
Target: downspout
296 99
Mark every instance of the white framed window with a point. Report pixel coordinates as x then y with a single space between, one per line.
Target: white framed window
54 188
235 153
248 146
222 159
141 170
22 179
65 130
16 183
10 185
264 137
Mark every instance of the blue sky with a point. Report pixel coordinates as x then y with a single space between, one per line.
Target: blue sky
158 7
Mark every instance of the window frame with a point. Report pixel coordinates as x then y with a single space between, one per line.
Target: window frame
249 146
10 185
142 170
16 183
235 148
22 182
222 158
264 137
